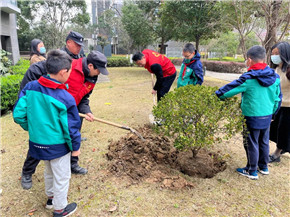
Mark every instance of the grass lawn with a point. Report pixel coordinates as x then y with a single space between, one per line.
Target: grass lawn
127 100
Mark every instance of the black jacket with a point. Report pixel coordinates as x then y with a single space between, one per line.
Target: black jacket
36 70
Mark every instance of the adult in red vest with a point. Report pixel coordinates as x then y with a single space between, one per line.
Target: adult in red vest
159 65
81 83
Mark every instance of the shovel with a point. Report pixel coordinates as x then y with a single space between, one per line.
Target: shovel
151 116
116 125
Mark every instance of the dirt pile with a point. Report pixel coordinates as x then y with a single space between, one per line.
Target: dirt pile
156 160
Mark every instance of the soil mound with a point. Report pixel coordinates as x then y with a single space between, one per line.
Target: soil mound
157 160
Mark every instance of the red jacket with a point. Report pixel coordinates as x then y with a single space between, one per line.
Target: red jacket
81 87
153 57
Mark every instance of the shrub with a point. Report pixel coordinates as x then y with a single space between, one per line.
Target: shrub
225 67
10 85
177 62
5 62
118 62
195 117
21 67
9 91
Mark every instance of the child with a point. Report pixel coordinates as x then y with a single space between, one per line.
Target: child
261 98
50 115
191 68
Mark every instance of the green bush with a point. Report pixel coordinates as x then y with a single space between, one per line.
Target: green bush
10 85
21 67
195 117
9 91
225 67
229 59
5 62
118 62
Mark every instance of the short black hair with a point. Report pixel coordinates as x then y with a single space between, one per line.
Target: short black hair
56 61
284 52
257 53
188 47
137 56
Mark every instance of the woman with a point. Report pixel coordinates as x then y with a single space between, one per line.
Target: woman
37 51
280 127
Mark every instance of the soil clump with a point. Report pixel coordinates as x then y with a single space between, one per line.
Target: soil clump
156 160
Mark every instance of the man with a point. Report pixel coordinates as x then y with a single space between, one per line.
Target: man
74 44
159 65
81 82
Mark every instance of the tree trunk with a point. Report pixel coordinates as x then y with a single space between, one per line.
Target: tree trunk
243 46
194 152
197 42
271 11
162 46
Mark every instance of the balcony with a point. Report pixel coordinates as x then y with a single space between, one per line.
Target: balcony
9 6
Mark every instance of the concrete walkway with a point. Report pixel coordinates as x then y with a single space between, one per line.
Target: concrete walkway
222 76
219 75
103 78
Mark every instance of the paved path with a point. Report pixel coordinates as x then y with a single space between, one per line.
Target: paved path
222 76
219 75
103 78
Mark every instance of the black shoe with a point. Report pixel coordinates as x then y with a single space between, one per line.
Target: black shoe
26 181
49 204
68 210
76 169
272 159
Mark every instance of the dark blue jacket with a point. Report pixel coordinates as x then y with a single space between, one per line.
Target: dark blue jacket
261 95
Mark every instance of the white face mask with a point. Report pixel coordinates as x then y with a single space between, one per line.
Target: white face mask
276 59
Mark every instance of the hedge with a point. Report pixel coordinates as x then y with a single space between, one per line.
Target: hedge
218 66
10 85
9 91
21 67
118 62
225 67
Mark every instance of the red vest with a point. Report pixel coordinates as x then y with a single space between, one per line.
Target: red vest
77 86
153 57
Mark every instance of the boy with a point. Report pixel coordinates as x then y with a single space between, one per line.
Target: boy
261 98
50 115
159 65
191 68
81 83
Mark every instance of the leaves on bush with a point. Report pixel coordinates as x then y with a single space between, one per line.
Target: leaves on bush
195 117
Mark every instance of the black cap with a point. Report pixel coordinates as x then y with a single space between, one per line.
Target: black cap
76 37
99 61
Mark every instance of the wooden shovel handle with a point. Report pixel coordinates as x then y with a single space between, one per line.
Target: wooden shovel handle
154 99
106 122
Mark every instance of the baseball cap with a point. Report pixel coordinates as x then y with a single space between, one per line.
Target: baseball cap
76 37
99 61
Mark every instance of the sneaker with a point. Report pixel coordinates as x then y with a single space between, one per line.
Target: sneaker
76 169
272 159
26 181
49 204
264 171
67 211
245 172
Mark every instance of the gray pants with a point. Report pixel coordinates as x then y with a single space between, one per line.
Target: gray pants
57 174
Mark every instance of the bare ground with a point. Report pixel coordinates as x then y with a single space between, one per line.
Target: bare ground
127 100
